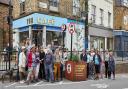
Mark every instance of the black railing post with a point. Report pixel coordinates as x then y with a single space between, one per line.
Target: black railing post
10 26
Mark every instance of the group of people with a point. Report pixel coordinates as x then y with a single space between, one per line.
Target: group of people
99 63
37 63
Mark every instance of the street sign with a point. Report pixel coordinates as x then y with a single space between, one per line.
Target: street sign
63 27
71 28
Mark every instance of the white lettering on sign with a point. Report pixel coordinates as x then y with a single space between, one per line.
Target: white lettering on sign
45 21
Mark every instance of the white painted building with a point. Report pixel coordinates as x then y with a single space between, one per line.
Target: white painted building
100 18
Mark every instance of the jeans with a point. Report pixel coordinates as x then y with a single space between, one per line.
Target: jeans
49 69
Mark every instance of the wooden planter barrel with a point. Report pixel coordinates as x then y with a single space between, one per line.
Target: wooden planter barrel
76 71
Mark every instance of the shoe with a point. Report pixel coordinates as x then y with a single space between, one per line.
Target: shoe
27 82
52 81
37 80
46 80
33 81
22 81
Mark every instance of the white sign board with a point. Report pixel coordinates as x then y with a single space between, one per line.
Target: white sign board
43 5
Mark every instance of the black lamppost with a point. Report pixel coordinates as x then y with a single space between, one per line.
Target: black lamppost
86 23
10 28
63 29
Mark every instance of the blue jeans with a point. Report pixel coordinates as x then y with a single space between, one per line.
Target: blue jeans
49 69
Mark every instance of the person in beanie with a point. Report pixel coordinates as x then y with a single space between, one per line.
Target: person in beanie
111 66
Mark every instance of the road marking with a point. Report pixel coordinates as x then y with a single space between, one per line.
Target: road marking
38 83
100 86
10 85
50 84
125 88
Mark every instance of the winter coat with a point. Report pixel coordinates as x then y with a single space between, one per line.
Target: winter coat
111 64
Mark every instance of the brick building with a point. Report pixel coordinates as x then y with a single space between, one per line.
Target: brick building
3 23
121 27
41 15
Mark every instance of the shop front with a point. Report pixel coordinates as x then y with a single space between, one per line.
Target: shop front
121 43
39 28
100 38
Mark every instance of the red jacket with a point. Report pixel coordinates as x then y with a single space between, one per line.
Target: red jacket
30 59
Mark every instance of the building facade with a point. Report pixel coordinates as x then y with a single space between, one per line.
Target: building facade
4 28
42 20
100 22
121 27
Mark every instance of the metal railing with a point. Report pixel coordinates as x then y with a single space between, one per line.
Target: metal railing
5 63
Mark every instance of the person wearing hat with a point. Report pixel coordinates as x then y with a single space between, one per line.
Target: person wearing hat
22 64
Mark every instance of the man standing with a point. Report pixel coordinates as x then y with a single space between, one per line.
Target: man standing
48 63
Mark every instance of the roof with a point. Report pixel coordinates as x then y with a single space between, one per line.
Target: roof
4 2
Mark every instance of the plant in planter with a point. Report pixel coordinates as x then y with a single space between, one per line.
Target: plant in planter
75 58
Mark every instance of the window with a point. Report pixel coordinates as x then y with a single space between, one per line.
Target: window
101 16
109 19
22 7
54 3
125 3
93 13
76 7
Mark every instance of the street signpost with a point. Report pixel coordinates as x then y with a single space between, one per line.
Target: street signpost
71 29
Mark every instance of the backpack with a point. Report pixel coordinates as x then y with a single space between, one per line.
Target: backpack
48 59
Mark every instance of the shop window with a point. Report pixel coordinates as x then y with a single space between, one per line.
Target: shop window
54 37
23 36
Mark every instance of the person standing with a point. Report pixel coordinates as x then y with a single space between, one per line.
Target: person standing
106 63
48 63
57 65
42 69
83 57
97 62
37 62
111 66
22 65
31 65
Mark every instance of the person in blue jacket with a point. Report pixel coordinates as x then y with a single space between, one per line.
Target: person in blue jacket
97 62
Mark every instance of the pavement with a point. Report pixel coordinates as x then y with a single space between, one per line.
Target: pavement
121 82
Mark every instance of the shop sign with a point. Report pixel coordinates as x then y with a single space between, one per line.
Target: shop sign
45 21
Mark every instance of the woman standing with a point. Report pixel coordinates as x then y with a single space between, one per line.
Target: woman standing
106 63
38 61
31 64
22 64
42 70
111 66
97 62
